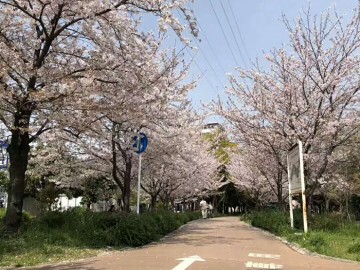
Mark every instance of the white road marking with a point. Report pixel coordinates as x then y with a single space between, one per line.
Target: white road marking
186 262
267 256
263 265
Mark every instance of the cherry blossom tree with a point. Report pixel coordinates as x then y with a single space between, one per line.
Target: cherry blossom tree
342 181
310 92
258 173
165 104
55 59
179 166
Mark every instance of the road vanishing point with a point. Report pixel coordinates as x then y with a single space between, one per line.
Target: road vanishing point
210 244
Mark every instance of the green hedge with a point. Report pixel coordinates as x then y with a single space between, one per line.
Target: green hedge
79 227
328 234
278 222
329 222
2 213
271 220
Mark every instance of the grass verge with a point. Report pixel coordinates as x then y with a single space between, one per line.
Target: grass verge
328 234
75 234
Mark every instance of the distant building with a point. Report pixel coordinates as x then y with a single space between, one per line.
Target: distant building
212 127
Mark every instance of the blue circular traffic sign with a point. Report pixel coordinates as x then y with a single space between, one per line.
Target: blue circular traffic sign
140 146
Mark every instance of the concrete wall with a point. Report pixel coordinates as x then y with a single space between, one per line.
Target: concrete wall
64 203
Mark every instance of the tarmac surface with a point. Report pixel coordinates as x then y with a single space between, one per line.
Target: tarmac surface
211 244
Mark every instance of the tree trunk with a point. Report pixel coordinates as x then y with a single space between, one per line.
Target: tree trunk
88 205
153 202
347 207
279 187
309 205
19 153
127 188
327 205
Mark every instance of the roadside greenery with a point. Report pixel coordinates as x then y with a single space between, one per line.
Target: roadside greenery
330 234
59 236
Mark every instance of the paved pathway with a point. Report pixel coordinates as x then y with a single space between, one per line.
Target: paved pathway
214 244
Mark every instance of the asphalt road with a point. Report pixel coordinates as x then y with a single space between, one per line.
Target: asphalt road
212 244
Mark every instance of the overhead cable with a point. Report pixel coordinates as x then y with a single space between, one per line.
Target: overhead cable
239 32
233 33
222 30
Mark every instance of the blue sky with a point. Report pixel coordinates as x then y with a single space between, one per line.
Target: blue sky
258 22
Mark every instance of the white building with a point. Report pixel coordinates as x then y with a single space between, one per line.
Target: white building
64 203
211 127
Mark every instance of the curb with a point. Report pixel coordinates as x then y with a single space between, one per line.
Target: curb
296 247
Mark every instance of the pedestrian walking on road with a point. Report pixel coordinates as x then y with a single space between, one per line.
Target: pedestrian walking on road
203 206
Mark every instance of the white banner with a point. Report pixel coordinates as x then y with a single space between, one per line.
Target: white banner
296 180
294 170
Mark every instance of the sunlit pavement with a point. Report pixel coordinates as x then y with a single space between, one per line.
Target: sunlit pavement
219 243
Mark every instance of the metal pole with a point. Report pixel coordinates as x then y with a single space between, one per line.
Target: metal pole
138 191
290 196
303 187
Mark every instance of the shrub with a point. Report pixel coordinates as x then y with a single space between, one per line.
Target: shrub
317 242
298 219
273 221
325 222
78 227
354 249
53 219
2 214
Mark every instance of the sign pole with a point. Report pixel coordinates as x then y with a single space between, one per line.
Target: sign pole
140 143
290 197
138 188
303 187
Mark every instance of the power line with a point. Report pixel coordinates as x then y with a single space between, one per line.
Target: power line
212 49
210 65
208 62
202 72
239 32
209 43
233 33
227 41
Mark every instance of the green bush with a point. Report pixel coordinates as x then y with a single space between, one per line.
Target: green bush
329 234
317 242
354 249
278 222
298 219
274 221
81 227
78 230
325 222
2 214
53 219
